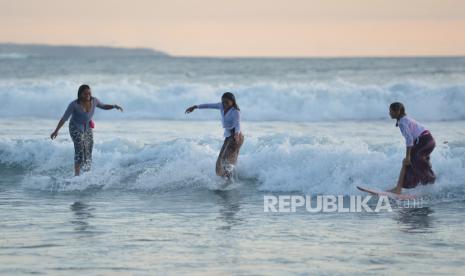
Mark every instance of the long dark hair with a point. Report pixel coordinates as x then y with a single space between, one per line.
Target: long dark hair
230 96
398 106
81 90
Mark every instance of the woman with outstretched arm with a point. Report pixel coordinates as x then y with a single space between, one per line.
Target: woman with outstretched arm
81 111
230 117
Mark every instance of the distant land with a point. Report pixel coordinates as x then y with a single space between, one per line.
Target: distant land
68 50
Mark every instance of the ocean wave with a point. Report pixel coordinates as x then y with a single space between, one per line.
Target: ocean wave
271 101
13 56
275 163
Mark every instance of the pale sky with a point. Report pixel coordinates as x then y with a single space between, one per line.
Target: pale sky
314 28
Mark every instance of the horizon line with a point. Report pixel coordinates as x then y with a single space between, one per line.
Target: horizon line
170 55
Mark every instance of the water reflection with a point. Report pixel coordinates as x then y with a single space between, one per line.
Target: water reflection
82 212
229 202
415 220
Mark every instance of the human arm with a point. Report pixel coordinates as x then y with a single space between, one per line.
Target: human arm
55 132
406 161
62 121
404 129
203 106
209 106
237 125
108 106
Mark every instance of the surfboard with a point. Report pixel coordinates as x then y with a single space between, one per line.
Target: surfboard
385 193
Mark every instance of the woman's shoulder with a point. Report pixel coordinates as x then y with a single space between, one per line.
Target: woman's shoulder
236 112
74 103
408 122
403 122
405 119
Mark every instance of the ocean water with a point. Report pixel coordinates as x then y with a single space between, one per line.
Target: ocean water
152 204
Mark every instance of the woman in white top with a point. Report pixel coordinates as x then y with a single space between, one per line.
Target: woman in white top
231 120
416 166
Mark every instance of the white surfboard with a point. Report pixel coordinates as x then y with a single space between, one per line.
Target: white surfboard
385 193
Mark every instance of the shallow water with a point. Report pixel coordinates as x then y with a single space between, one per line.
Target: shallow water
151 204
205 231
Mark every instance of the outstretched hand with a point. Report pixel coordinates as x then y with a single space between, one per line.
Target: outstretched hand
118 107
53 135
190 109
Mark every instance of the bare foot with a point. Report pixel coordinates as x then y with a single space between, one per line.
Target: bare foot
395 190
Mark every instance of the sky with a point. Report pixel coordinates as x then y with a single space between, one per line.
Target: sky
245 28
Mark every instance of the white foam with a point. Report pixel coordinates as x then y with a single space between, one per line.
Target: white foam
298 101
317 164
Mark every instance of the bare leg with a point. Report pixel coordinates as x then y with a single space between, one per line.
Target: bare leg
228 156
220 162
77 169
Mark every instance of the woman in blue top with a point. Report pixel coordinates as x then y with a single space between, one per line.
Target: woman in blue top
81 111
230 117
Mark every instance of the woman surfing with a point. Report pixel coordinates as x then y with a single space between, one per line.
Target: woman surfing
230 118
81 111
416 166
